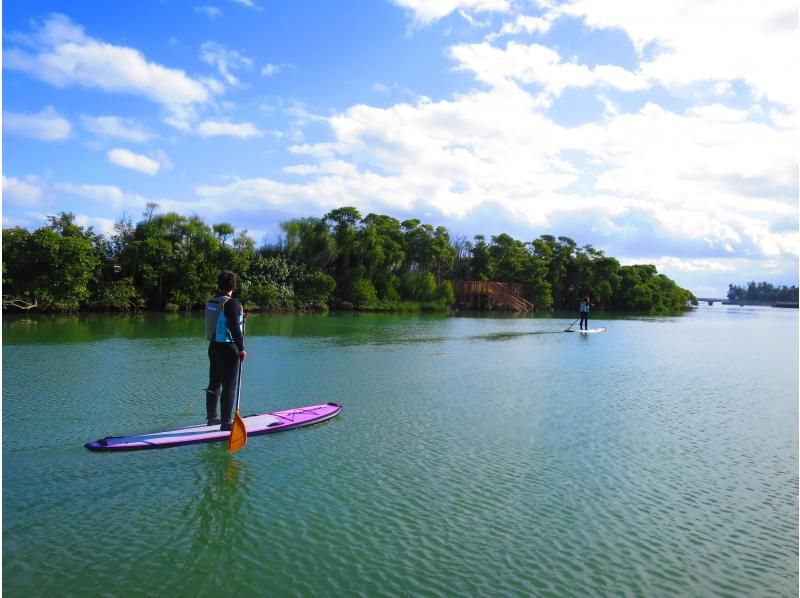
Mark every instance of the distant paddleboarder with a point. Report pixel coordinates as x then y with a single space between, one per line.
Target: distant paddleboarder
584 313
224 317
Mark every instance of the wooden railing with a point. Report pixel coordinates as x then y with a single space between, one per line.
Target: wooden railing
507 294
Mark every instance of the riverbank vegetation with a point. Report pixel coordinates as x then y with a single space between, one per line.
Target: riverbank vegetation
340 260
762 292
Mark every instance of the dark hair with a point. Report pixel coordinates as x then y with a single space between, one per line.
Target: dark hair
226 281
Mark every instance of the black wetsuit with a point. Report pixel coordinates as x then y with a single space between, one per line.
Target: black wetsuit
224 363
584 316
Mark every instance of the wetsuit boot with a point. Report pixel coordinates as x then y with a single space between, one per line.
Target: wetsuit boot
226 406
211 408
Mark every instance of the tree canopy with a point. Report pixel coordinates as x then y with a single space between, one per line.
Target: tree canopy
762 292
341 259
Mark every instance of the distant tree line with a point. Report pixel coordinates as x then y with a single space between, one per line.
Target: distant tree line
340 260
762 292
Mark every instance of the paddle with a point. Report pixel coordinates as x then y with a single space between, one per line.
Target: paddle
567 329
238 437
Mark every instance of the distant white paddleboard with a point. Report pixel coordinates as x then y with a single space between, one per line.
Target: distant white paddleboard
590 331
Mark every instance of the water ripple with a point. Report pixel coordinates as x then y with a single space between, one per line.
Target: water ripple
472 458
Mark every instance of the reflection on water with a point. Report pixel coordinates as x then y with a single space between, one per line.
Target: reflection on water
474 456
340 328
212 532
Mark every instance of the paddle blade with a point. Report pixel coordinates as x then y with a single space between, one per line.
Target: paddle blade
238 437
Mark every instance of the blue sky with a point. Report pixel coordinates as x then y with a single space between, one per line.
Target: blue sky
662 133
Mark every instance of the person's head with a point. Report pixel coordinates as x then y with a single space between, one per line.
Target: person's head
586 299
226 281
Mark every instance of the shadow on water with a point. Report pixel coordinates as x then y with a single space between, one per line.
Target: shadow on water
504 336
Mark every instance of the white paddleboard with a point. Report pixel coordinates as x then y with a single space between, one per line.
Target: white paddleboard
265 423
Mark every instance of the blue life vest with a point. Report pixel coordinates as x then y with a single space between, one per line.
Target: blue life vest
217 322
584 307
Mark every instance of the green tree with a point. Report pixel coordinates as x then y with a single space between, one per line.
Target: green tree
174 259
313 290
606 280
416 245
380 250
462 249
343 222
508 258
634 293
480 263
442 251
168 260
118 295
309 240
537 287
445 295
268 283
419 286
54 266
241 255
364 293
643 289
223 230
762 292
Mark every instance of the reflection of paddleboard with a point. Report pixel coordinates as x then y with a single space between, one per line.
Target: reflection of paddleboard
266 423
590 331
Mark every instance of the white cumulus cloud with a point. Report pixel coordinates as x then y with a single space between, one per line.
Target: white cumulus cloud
46 125
102 194
704 181
226 61
331 167
212 12
117 127
714 40
214 128
270 69
428 11
23 192
535 63
63 55
128 159
523 24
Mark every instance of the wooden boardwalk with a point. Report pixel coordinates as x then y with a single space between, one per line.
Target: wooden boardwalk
490 294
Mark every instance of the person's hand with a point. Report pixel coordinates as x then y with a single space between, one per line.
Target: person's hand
242 355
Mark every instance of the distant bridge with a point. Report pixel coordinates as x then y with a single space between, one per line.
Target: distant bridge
711 300
743 302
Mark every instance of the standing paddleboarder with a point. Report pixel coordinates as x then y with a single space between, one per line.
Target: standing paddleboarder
224 318
584 313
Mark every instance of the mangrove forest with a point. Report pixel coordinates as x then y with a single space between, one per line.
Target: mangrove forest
341 260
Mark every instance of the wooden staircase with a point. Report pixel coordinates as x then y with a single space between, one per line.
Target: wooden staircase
491 293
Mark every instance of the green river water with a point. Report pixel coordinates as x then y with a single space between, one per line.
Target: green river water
474 456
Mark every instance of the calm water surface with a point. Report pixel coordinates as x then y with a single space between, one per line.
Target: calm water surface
473 457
